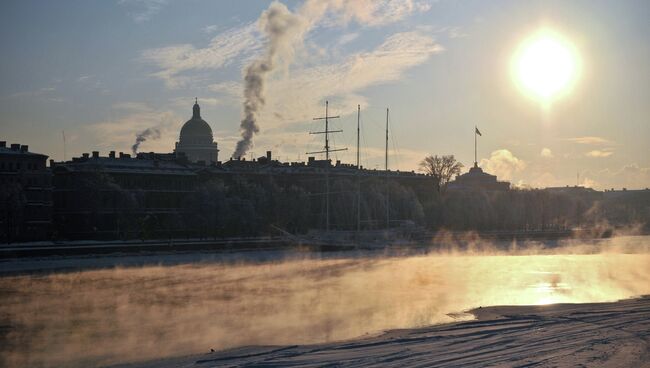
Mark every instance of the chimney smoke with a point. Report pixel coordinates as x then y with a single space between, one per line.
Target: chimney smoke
283 30
149 133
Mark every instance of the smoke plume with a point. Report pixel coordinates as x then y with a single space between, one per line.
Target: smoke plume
283 29
285 32
149 133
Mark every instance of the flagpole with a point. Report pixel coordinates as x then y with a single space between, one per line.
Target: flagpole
475 161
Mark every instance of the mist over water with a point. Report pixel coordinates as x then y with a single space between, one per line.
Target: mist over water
128 314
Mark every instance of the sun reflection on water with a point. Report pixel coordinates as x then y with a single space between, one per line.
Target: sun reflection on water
551 290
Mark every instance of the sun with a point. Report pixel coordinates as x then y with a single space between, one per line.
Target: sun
545 65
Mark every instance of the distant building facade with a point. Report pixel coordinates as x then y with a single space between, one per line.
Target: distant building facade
628 206
627 193
120 197
476 179
196 140
25 194
155 195
576 191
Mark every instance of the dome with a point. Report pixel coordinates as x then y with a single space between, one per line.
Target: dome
196 130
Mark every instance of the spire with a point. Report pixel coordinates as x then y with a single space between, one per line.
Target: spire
196 110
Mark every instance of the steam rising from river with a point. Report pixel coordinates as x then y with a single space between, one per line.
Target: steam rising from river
128 314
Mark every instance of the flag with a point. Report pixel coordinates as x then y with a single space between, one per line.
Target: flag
478 131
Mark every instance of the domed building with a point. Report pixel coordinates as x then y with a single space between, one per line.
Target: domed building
196 140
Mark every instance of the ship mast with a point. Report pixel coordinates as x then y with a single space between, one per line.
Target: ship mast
358 171
327 151
386 170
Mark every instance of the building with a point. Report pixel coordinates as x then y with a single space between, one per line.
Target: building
576 191
196 140
156 195
25 194
627 193
476 179
120 196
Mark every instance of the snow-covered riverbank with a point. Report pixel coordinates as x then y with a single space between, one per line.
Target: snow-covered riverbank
560 335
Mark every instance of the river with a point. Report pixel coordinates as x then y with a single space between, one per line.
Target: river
123 314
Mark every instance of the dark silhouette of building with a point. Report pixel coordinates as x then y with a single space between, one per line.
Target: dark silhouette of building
476 179
120 196
196 140
156 195
627 206
25 194
576 191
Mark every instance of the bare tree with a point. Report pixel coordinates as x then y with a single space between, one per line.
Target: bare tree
441 168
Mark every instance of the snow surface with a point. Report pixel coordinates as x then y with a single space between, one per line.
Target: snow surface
560 335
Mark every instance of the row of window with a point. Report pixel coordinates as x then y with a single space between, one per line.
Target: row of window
112 201
15 166
170 182
30 182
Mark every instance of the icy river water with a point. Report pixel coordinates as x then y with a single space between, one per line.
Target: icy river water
123 314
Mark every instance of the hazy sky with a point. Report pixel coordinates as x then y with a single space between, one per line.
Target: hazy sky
105 70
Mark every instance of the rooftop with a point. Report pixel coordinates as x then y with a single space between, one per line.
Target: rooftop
172 163
17 149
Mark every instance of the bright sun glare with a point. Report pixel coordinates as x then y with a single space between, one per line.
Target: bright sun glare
545 65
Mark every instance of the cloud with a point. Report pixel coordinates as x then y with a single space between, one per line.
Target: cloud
449 31
348 37
132 106
503 164
188 101
544 180
635 169
590 140
210 29
456 32
230 89
631 176
84 78
34 93
599 153
134 117
375 12
173 61
91 83
634 176
299 95
142 10
546 153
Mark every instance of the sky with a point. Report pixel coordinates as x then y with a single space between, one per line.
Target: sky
103 71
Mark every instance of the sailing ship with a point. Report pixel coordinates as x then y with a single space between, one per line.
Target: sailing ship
360 237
